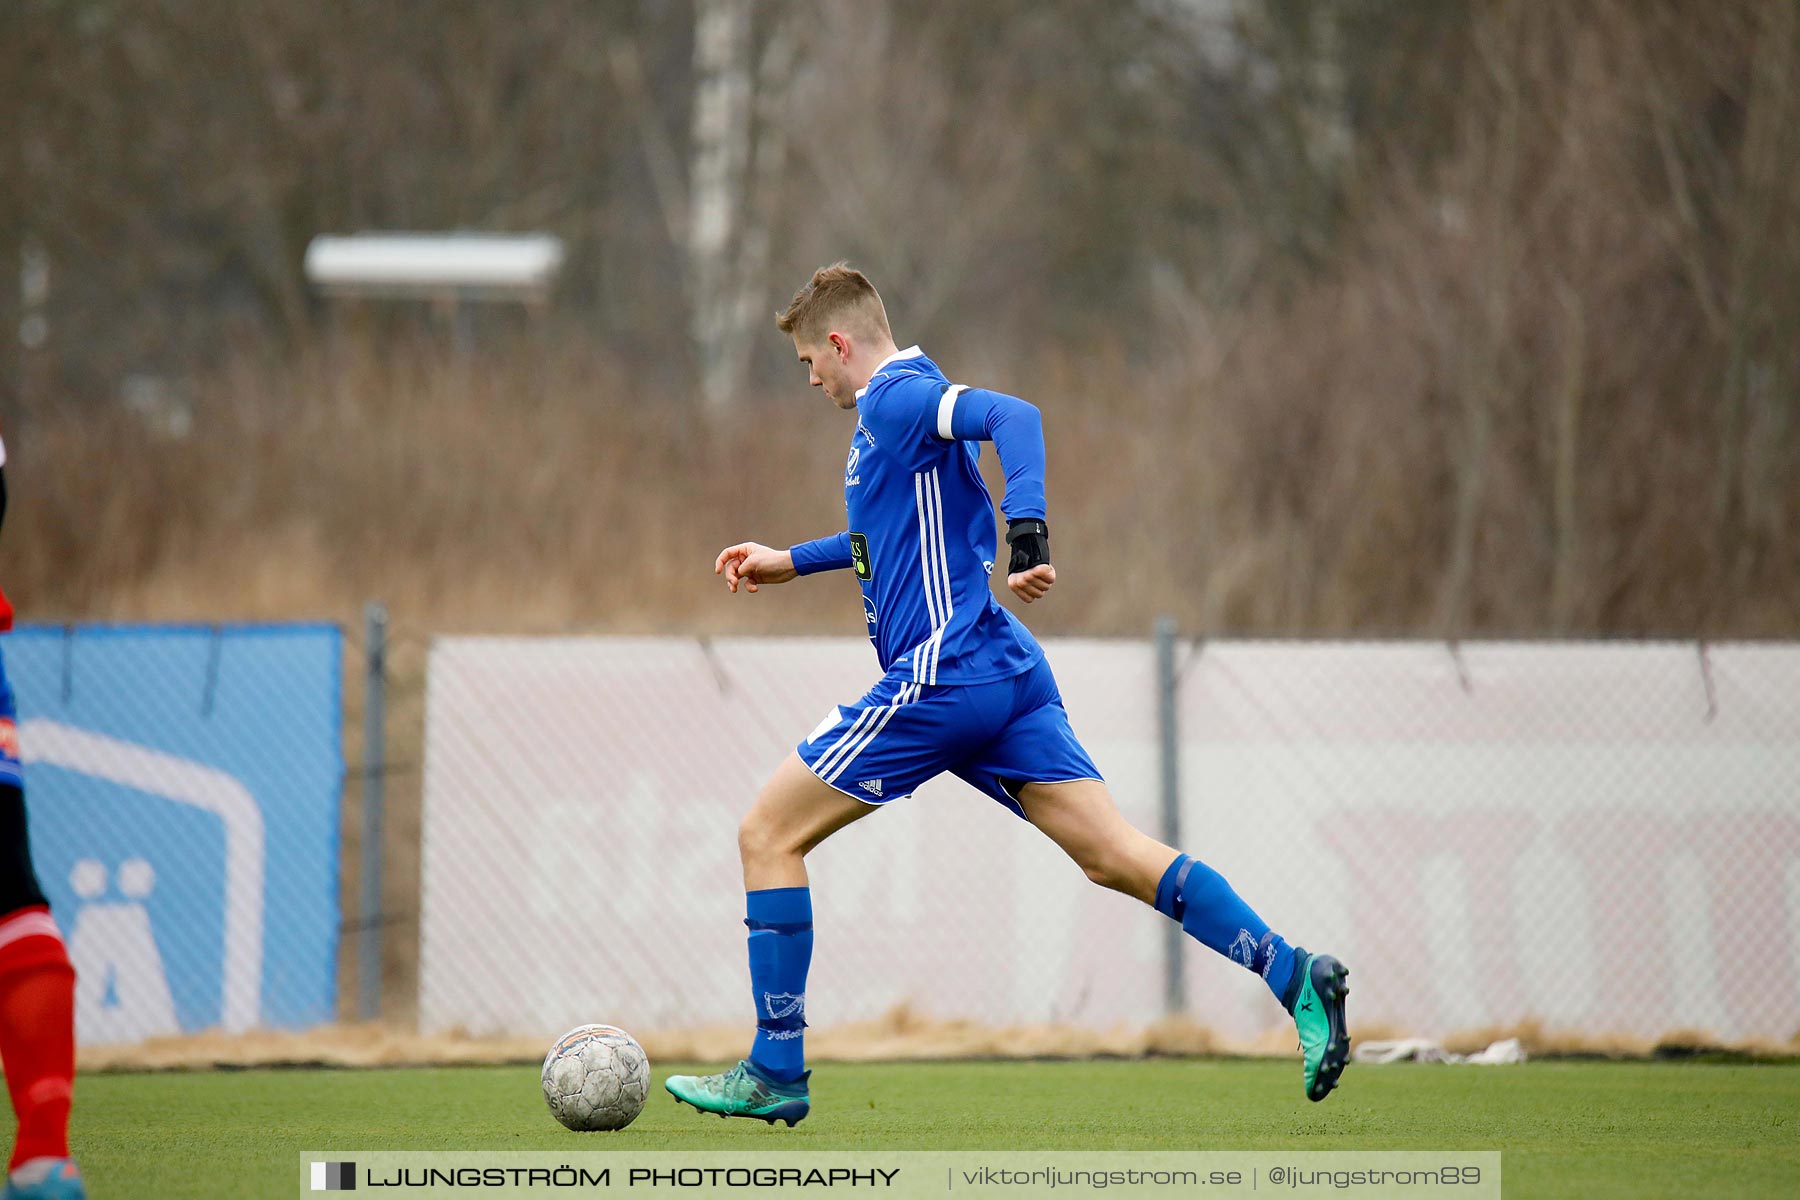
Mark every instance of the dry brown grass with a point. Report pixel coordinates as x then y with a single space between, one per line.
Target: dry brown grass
527 489
1255 482
900 1035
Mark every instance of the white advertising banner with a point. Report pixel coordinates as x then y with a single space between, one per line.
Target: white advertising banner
1602 838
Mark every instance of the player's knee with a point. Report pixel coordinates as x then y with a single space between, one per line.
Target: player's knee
751 837
1102 865
759 838
1106 877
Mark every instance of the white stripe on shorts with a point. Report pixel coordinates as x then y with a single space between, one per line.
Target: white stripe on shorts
844 739
907 694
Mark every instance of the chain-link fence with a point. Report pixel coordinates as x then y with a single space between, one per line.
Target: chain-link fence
183 785
580 846
1602 838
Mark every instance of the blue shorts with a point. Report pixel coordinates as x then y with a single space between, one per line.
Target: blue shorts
997 737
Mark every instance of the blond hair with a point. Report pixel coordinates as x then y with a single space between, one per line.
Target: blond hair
837 297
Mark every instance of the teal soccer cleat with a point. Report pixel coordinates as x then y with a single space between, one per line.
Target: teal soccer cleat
1316 1001
45 1179
744 1091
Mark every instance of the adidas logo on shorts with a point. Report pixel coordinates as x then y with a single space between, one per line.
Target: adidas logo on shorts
871 786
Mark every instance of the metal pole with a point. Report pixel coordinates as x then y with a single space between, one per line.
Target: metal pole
1174 989
374 774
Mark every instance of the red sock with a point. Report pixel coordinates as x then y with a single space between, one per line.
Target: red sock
37 1031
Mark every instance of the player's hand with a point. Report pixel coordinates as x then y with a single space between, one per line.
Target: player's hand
751 563
1029 573
1031 585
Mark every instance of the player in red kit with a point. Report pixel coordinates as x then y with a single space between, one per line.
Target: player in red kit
37 983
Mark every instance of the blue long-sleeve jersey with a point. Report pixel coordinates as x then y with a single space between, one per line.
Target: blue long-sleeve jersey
922 538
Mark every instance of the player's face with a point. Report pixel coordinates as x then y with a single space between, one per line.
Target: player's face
826 369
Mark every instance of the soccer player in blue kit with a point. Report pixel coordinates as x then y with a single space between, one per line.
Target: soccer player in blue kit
965 689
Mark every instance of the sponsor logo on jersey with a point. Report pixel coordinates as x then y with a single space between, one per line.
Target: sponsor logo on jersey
859 557
871 786
869 614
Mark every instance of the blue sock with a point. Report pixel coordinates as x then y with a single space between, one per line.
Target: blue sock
781 939
1212 914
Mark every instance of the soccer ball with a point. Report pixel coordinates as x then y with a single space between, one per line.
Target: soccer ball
596 1077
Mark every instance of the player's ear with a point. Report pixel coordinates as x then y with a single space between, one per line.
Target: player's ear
840 344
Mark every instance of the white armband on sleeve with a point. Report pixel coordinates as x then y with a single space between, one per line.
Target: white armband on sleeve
947 410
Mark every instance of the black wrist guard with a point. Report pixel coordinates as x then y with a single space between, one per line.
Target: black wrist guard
1030 542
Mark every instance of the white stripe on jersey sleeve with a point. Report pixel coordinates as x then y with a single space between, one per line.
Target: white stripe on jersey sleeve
2 452
947 409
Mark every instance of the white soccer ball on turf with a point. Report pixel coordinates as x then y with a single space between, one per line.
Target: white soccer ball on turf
596 1077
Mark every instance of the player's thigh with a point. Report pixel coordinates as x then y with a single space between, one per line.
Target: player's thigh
1037 767
1081 817
795 811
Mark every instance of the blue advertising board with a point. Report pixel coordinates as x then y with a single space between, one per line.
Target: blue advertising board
182 785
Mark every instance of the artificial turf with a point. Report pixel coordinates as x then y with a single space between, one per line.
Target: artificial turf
1588 1129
